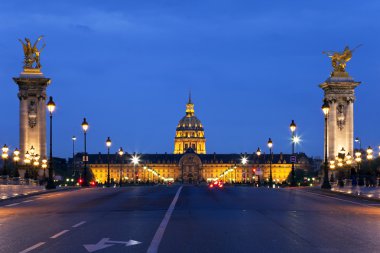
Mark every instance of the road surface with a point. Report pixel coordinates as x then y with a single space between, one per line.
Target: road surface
188 219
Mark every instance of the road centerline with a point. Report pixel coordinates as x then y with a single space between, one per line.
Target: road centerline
79 224
59 234
35 246
153 247
14 204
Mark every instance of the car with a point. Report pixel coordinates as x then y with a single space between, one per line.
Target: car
216 184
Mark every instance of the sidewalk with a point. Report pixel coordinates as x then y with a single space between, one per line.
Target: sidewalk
360 192
10 191
19 191
367 192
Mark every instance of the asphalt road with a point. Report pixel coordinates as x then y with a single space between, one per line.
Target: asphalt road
188 219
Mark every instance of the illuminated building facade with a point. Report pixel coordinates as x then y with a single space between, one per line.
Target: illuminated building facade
190 133
191 164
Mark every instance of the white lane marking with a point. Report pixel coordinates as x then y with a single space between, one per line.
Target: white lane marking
59 234
33 247
344 200
14 204
153 247
79 224
27 201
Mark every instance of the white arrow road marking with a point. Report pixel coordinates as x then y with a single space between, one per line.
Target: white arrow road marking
105 243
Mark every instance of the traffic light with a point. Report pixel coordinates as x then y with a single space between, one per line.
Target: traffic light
80 181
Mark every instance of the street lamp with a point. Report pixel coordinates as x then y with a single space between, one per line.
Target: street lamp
16 159
51 107
108 144
135 161
293 127
44 166
244 161
326 183
73 165
358 140
270 145
258 153
4 155
121 153
85 158
369 153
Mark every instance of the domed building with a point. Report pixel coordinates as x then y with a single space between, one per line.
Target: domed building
189 133
190 163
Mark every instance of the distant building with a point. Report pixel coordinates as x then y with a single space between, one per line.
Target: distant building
190 162
190 133
194 167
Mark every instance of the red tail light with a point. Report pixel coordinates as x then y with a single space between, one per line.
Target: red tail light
211 185
220 185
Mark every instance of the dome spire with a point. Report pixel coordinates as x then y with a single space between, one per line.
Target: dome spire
189 107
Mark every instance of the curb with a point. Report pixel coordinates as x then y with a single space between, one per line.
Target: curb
332 193
38 193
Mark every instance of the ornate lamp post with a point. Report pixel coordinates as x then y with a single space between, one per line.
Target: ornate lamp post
258 153
326 183
270 145
108 144
293 127
4 155
358 160
44 166
51 107
121 153
135 161
74 164
369 156
27 163
244 161
85 157
369 153
16 159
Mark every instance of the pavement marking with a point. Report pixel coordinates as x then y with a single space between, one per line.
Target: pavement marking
27 201
106 242
153 247
59 234
344 200
14 204
33 247
79 224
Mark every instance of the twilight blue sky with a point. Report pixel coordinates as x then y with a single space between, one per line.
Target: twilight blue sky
252 66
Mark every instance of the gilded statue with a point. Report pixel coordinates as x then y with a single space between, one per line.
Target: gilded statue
340 59
32 53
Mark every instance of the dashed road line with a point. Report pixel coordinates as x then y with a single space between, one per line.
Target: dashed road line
14 204
59 234
27 201
33 247
79 224
153 247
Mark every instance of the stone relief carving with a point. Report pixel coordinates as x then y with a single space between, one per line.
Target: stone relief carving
32 113
341 119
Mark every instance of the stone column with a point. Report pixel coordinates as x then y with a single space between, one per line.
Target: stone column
32 95
339 92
